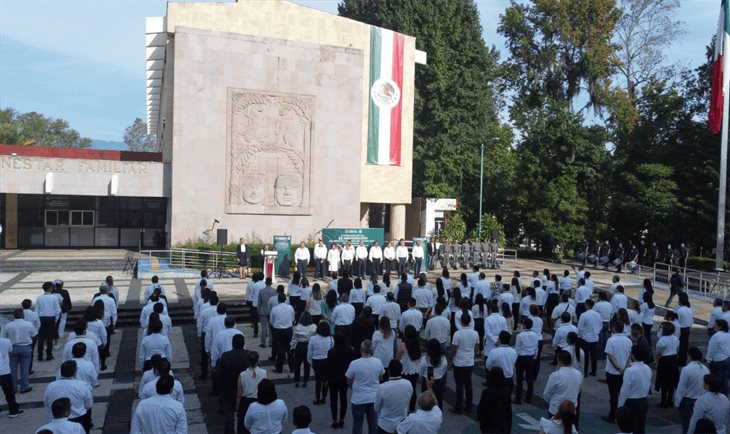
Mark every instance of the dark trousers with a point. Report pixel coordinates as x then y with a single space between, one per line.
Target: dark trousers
439 387
362 265
254 317
523 368
347 267
302 267
462 378
319 268
300 358
32 350
45 336
401 266
84 420
603 338
614 387
338 395
640 407
721 369
552 300
242 409
536 362
417 266
320 376
107 345
295 302
683 345
229 413
591 355
579 309
282 338
376 267
360 412
647 332
413 378
204 359
686 407
6 382
346 332
389 266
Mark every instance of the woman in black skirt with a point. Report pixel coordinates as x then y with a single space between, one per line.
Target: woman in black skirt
667 372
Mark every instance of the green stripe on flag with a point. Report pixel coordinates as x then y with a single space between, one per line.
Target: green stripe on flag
374 112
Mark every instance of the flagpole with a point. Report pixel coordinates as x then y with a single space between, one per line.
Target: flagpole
720 247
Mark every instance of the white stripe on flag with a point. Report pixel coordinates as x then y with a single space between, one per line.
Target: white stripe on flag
386 71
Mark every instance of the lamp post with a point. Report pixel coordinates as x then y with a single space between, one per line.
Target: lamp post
481 190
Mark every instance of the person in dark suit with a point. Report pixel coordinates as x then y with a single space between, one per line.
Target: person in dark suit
344 284
228 368
242 255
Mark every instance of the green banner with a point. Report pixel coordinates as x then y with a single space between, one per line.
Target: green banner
424 247
282 245
366 235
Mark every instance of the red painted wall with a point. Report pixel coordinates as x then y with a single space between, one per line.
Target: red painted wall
76 153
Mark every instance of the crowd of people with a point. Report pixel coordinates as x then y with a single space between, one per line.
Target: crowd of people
384 348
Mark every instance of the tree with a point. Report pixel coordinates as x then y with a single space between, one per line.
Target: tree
458 95
645 29
137 139
34 129
489 224
455 229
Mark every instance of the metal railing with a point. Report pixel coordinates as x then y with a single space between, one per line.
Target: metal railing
507 253
192 259
705 285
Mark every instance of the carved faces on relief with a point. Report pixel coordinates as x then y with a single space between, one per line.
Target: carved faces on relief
288 190
253 189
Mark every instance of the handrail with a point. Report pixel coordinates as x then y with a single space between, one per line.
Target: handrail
190 258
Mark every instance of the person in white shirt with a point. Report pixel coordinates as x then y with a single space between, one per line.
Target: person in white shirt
464 345
715 314
588 281
85 370
320 259
205 314
376 301
281 319
563 384
160 413
223 341
389 258
560 341
48 308
154 343
439 328
417 254
80 335
152 286
364 376
605 310
375 255
635 388
384 341
566 283
302 256
494 324
562 422
333 259
690 386
424 298
619 299
401 254
526 347
214 325
302 419
20 333
685 319
618 352
582 293
33 318
348 256
718 353
343 315
615 283
667 372
77 391
503 356
589 329
268 414
427 419
361 254
110 311
412 317
562 307
61 409
161 369
712 405
392 398
204 282
6 381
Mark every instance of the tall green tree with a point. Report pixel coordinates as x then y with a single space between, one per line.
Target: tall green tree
34 129
458 96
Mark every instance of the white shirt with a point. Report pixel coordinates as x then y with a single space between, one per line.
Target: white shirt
563 307
438 328
282 316
150 390
318 346
92 351
205 314
422 422
506 297
582 294
525 304
250 383
553 426
566 283
62 426
424 297
222 343
669 345
215 324
357 295
466 340
391 402
20 332
343 314
438 371
412 317
589 284
684 316
302 254
691 382
155 344
391 309
159 414
503 356
719 347
85 371
376 302
365 374
375 253
110 308
34 319
5 348
77 391
266 419
526 343
636 384
620 348
589 326
713 406
320 252
348 253
97 328
389 253
619 301
563 384
401 252
361 252
647 315
604 309
540 296
383 347
151 288
47 305
494 324
561 334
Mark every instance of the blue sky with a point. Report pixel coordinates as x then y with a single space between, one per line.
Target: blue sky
83 60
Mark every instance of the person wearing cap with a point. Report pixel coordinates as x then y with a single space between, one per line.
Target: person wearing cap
48 308
65 307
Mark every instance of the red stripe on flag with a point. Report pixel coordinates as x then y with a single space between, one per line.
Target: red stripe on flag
396 112
716 96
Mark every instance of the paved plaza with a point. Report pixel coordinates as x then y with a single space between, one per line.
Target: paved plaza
115 398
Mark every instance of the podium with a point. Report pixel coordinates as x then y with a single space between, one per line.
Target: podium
269 263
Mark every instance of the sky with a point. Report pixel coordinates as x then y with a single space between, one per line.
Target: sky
84 60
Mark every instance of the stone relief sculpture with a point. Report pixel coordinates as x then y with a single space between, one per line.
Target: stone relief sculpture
269 141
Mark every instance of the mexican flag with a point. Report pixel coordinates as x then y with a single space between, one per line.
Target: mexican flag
386 86
720 68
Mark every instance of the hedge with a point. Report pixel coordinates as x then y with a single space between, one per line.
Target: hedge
254 251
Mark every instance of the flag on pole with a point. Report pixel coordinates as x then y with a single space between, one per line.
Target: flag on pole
385 108
720 73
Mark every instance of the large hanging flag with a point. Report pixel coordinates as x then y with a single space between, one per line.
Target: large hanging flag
385 108
720 73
